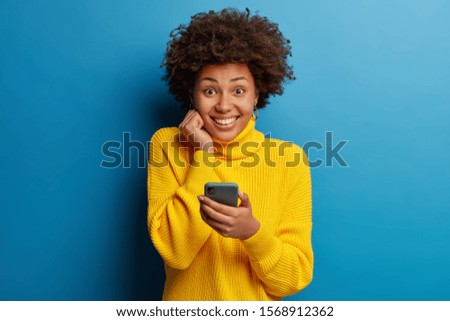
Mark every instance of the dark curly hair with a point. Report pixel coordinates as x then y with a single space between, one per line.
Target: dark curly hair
228 36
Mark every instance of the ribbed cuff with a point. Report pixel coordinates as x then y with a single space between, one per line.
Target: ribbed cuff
262 246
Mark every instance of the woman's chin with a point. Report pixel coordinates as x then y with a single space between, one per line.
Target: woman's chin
226 137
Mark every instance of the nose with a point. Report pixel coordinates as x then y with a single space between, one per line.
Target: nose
224 104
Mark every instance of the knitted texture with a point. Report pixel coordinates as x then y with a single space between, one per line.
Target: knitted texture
201 264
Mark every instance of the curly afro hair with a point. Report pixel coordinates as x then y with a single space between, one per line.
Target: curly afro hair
228 36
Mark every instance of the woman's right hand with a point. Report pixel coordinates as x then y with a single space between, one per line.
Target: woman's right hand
192 129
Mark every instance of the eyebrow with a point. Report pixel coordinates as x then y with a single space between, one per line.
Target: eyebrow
232 80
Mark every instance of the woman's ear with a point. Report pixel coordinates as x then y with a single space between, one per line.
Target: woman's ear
256 97
191 98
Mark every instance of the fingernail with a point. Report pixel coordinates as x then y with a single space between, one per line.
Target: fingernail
200 198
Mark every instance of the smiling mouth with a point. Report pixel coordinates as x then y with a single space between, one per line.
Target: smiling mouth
226 121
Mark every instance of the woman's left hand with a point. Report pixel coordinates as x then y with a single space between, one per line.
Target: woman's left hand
229 221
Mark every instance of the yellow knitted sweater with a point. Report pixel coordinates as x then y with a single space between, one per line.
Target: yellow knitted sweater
201 264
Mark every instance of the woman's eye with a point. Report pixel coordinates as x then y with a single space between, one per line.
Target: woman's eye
209 91
239 91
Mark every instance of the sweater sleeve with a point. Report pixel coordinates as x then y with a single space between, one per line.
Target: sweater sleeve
174 221
284 260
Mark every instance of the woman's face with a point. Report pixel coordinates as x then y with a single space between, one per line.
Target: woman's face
224 95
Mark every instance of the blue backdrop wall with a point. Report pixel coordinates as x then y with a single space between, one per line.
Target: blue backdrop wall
77 74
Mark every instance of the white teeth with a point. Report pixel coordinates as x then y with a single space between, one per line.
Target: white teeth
225 121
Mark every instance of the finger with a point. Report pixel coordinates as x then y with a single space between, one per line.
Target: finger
245 201
217 226
219 207
214 215
191 123
187 119
197 119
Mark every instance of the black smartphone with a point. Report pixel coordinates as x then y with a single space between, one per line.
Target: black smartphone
225 193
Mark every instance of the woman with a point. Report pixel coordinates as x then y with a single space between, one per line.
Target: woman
224 65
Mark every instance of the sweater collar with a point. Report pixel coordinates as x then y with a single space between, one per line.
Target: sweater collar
246 143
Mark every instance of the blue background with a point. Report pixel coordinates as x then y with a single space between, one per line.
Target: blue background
77 74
